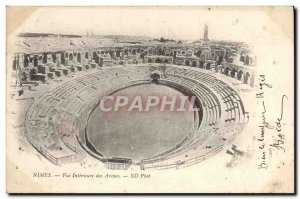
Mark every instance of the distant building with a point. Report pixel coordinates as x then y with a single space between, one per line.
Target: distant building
205 38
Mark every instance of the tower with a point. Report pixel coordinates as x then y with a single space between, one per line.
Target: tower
205 38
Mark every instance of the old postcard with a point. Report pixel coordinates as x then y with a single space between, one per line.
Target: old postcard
150 100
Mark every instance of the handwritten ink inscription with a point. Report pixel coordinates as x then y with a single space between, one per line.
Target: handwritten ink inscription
269 128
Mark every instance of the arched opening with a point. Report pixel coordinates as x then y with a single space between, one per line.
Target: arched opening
201 64
71 56
26 61
100 60
208 66
166 61
158 60
220 59
54 57
159 52
242 58
78 57
112 53
149 60
44 58
233 72
226 71
239 76
247 60
187 62
175 53
155 76
198 53
194 63
246 78
86 55
35 61
118 53
62 58
96 57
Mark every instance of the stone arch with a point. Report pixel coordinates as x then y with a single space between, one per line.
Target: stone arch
246 77
62 58
35 61
158 60
194 63
95 57
187 62
155 76
54 57
71 56
247 60
226 72
239 75
233 72
30 59
79 57
118 53
242 58
26 61
100 61
208 66
44 58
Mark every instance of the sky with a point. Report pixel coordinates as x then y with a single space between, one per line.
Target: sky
186 23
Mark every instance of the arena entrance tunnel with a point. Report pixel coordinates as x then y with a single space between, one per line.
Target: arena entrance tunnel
155 76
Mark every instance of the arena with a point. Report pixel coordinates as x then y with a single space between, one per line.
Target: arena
61 89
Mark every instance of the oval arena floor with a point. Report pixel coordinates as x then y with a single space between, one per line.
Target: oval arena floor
138 135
